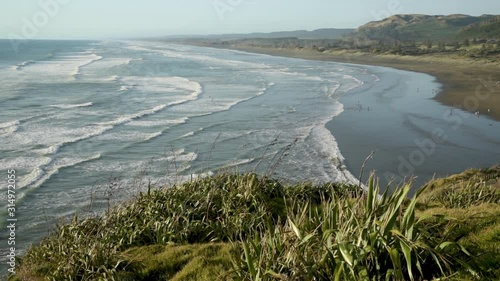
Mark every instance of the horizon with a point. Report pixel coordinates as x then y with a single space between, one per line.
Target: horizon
70 20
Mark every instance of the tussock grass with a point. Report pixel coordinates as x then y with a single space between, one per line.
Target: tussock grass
245 227
354 238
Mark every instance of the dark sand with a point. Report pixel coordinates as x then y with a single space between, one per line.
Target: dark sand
414 136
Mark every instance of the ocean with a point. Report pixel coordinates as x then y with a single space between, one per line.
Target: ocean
84 122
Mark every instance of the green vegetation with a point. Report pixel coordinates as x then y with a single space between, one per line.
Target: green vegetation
242 227
484 29
419 27
411 35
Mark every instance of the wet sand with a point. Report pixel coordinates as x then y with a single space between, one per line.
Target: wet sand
411 135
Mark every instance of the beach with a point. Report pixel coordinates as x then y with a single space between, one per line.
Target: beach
412 137
424 127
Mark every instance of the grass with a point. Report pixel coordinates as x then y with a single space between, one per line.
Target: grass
187 262
245 227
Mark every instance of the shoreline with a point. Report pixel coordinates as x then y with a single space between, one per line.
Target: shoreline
462 79
411 114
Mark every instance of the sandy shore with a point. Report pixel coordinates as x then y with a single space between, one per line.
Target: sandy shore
403 118
467 84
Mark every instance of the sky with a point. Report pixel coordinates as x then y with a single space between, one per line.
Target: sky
101 19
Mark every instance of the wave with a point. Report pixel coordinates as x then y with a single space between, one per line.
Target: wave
9 127
127 118
43 173
161 84
152 136
9 130
189 157
177 53
167 85
131 60
9 124
93 58
70 106
190 134
239 162
349 77
154 123
24 64
53 149
125 88
114 78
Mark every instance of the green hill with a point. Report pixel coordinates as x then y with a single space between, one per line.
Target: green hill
416 27
488 29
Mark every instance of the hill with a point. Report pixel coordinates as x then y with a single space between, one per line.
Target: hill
485 29
415 27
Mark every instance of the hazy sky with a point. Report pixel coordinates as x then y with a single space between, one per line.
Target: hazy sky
131 18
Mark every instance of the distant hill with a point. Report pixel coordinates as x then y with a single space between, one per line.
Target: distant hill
416 27
488 29
325 33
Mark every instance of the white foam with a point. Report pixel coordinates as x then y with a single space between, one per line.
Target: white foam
70 106
191 55
154 123
9 130
89 60
41 174
23 163
127 136
114 78
9 124
60 67
49 150
21 65
349 77
9 127
163 84
239 162
127 118
152 136
125 88
189 157
52 137
190 134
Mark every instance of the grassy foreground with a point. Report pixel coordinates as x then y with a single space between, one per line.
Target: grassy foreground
243 227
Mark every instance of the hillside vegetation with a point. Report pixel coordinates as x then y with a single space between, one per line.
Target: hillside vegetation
413 35
245 227
485 29
422 27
